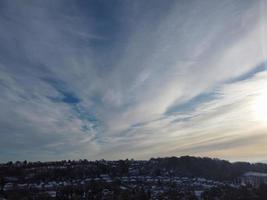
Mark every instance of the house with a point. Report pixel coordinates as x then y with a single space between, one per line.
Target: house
52 193
8 186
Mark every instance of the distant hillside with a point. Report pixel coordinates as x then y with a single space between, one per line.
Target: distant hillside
205 167
186 166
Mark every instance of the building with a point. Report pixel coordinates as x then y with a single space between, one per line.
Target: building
254 178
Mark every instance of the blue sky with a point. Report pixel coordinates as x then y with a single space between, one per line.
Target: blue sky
133 79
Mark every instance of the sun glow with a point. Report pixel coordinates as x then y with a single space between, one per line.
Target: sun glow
260 108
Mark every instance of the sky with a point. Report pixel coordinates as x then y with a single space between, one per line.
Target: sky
135 79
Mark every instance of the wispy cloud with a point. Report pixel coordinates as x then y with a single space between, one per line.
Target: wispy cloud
131 79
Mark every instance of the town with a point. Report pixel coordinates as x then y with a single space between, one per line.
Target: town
164 178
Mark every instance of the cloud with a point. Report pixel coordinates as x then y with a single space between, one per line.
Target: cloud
137 79
223 124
